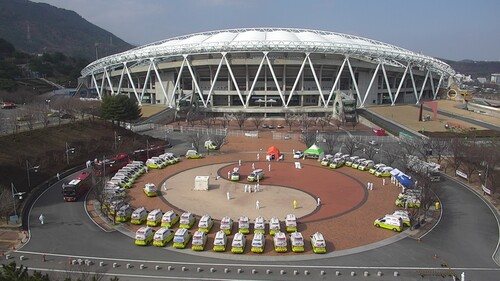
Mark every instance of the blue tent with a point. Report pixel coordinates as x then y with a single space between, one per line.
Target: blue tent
404 180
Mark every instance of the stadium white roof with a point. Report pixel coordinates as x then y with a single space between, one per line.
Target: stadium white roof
271 40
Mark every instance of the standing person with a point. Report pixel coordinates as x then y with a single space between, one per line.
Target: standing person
295 204
383 181
228 196
41 218
239 162
58 177
258 156
253 166
228 174
269 167
258 187
318 202
257 205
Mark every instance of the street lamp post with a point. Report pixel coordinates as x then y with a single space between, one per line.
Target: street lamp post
147 148
14 194
28 168
117 140
68 151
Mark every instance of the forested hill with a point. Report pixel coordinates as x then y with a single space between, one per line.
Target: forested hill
475 68
41 28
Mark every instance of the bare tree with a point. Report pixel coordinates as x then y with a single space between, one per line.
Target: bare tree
290 119
257 120
456 149
337 123
308 138
331 141
195 140
370 151
240 117
226 119
218 140
439 147
392 156
351 145
322 123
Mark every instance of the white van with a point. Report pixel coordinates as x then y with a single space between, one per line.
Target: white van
144 236
187 220
318 243
205 224
259 225
376 167
291 223
258 243
391 222
256 175
163 236
181 238
350 160
139 216
226 225
366 165
199 241
280 244
220 241
384 172
154 217
169 218
274 225
297 241
357 162
244 225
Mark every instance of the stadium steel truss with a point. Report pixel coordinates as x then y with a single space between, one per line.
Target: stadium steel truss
279 68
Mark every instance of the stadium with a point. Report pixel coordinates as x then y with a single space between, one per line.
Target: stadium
269 71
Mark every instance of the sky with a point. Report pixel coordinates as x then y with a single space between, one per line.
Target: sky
447 29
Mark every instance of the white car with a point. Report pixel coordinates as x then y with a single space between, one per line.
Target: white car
372 142
298 154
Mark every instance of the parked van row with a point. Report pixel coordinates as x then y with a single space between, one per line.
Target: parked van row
161 161
126 176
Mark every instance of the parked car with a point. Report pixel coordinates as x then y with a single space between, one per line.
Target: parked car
226 225
205 224
220 241
238 244
390 222
169 218
318 243
187 220
298 154
258 243
8 105
193 154
144 236
297 241
163 236
181 238
280 244
244 225
199 241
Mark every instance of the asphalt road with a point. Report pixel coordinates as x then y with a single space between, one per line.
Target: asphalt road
464 240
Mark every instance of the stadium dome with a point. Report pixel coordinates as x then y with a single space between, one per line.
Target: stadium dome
268 70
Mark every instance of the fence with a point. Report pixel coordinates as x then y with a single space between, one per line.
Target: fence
321 137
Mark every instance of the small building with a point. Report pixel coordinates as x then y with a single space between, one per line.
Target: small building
201 183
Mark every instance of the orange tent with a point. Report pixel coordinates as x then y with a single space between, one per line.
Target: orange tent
273 152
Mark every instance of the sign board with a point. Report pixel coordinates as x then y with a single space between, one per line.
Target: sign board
201 183
14 218
461 174
485 189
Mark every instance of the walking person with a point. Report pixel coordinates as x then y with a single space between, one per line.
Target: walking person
228 196
295 204
258 156
58 177
318 202
41 218
269 167
257 205
253 166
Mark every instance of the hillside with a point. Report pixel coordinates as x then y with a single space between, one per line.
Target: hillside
475 68
52 29
46 148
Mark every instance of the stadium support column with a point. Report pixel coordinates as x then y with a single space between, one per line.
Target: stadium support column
370 85
423 85
387 82
401 83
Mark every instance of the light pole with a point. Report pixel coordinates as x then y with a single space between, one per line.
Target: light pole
147 148
117 139
68 151
28 168
14 194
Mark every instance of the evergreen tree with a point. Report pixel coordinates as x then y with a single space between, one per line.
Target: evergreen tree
119 108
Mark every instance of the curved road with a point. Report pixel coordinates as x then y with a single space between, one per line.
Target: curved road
464 241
